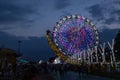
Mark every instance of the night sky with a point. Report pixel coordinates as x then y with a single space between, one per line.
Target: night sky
28 20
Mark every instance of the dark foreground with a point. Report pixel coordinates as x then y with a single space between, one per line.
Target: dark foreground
54 72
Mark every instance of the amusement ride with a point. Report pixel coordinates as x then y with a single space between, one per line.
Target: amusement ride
72 37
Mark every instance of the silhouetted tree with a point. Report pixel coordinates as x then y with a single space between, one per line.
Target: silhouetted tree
107 54
117 46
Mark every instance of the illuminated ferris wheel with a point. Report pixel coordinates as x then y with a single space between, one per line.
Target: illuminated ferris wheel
73 35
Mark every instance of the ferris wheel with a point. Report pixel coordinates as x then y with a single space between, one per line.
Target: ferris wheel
74 34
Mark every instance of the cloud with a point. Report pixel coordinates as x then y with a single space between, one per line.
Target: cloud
61 4
114 17
110 20
117 2
29 17
18 13
12 12
116 12
96 11
107 13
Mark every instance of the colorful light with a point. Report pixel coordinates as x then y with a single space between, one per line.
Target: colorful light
75 33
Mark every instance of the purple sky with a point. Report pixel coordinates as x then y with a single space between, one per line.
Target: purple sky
33 17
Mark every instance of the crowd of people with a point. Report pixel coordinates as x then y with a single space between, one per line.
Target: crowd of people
36 71
31 71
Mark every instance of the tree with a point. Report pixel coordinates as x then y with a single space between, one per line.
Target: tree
117 46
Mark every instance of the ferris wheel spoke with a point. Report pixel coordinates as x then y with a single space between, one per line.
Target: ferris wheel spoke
74 34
